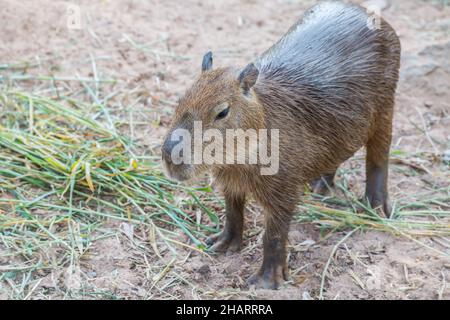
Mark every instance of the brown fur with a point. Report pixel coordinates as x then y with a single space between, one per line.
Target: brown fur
325 113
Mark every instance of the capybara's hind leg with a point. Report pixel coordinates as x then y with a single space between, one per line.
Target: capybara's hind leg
323 184
377 166
230 239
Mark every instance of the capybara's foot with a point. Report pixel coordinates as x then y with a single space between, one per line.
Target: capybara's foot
380 202
323 184
224 242
269 278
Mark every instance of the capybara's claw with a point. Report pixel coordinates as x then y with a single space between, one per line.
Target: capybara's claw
223 242
319 187
259 282
268 279
323 184
380 203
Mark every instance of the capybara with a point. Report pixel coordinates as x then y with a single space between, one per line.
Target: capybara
328 86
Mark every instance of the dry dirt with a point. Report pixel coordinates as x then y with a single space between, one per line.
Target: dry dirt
154 48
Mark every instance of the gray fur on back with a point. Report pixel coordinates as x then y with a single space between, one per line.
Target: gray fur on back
332 40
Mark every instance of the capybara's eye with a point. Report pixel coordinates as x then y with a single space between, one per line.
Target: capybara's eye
222 114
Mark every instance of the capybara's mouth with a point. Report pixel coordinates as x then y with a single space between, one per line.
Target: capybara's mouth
180 172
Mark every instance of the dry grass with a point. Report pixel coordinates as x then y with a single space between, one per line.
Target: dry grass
63 173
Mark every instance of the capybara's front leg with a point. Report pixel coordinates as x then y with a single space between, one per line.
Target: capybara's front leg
274 268
230 239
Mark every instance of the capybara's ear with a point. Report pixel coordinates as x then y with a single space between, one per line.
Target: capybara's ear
207 61
248 77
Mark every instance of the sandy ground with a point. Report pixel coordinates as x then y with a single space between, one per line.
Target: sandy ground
154 48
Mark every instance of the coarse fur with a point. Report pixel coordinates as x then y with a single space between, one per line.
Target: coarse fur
328 85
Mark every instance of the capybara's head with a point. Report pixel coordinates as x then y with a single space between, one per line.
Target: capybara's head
219 99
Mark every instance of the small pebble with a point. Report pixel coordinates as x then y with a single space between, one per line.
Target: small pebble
204 269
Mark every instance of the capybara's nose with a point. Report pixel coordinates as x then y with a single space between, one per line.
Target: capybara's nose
165 155
166 150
